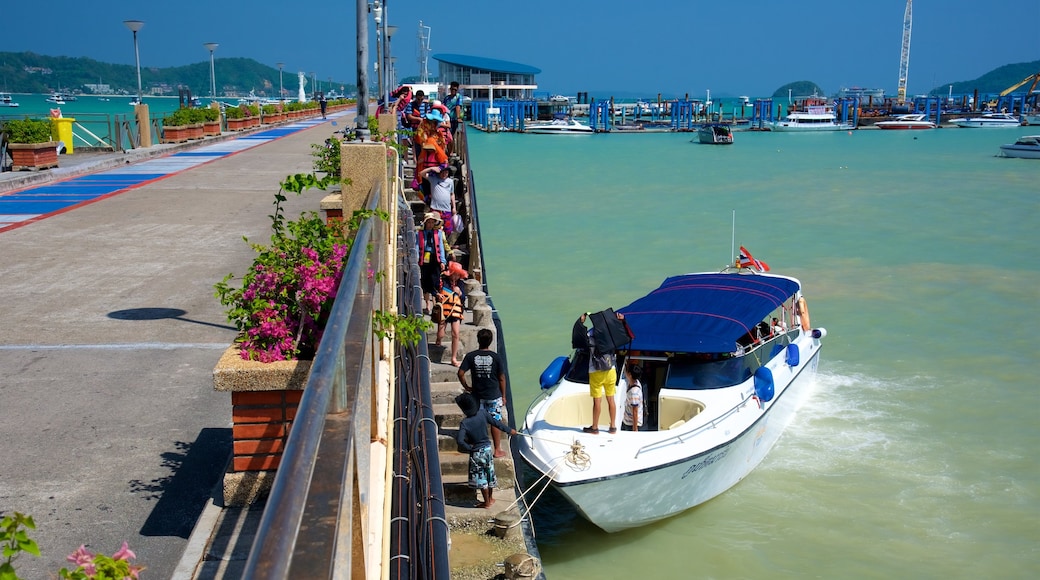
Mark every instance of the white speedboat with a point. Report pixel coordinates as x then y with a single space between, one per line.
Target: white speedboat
989 120
906 122
566 126
1026 147
715 134
814 118
56 98
721 381
7 101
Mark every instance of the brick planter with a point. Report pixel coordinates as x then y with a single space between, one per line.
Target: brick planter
33 155
176 134
264 398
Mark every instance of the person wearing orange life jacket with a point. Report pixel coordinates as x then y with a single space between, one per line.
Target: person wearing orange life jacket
431 247
451 305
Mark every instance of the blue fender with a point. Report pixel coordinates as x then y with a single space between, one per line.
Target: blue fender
554 372
793 358
764 384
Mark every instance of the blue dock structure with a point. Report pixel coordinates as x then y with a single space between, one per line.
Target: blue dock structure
762 115
600 116
504 115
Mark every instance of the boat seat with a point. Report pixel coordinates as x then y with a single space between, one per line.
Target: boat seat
673 412
572 411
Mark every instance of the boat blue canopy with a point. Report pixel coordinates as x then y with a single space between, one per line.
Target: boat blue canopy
704 312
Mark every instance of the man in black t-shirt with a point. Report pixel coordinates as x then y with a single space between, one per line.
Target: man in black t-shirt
489 381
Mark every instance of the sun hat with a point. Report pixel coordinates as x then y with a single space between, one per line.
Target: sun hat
433 216
435 115
456 268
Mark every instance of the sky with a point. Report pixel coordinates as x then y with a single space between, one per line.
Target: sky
620 47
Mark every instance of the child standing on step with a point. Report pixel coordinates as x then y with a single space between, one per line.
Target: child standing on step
473 439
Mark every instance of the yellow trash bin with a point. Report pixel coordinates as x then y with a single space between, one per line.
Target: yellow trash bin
61 130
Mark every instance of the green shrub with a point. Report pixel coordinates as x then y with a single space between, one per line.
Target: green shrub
210 115
28 130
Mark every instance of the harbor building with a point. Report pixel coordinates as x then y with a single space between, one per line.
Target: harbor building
480 78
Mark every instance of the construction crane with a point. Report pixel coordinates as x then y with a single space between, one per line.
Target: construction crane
904 57
1035 78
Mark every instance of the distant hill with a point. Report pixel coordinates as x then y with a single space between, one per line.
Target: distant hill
995 81
27 72
991 83
799 89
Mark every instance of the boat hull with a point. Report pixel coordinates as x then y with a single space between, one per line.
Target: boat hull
629 479
785 126
1020 152
896 126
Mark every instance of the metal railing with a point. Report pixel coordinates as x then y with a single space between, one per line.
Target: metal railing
326 464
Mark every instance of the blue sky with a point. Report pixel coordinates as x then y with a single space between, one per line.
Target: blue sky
748 47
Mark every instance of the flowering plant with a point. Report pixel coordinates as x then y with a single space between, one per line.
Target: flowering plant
284 302
100 566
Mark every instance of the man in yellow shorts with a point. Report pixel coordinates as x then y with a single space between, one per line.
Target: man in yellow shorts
602 381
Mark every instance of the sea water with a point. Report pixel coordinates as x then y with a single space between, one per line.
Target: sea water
916 453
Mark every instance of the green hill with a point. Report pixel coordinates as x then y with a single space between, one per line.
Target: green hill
27 72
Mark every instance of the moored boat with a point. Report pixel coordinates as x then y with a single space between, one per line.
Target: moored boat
56 98
564 126
988 120
1026 147
7 101
814 118
906 122
715 134
722 381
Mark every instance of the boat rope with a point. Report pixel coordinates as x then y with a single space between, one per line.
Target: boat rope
530 505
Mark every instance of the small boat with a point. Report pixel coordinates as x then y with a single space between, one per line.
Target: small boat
715 134
564 126
989 120
1026 147
906 122
7 101
814 118
726 357
56 98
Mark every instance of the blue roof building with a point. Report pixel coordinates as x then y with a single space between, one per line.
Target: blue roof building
478 75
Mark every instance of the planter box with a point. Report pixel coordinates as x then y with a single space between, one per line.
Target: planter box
211 128
33 155
176 134
195 131
238 124
264 397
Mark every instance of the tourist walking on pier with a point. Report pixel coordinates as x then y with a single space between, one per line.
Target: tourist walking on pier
433 257
442 198
454 104
323 103
472 438
451 308
488 382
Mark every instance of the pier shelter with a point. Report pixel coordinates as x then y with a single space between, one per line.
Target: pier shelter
486 79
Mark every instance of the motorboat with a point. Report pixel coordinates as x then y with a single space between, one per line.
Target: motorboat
56 98
7 101
560 126
988 120
721 381
813 118
1026 147
906 122
715 134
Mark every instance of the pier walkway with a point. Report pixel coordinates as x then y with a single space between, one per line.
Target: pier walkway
110 335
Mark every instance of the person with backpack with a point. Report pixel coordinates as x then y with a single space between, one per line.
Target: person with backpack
602 372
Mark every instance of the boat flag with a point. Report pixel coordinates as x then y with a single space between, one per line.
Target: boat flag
746 260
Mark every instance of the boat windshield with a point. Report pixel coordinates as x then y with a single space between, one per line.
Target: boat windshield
694 372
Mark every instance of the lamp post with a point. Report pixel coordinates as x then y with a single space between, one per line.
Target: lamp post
211 46
134 26
391 82
281 91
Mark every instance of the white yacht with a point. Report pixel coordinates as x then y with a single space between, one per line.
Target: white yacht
813 118
989 120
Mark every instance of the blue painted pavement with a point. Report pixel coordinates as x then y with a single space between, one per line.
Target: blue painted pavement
36 203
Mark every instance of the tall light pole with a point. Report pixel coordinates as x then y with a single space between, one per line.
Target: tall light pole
313 90
134 26
211 46
391 82
281 91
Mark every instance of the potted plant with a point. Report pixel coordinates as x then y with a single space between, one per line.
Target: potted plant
182 125
31 144
210 121
236 118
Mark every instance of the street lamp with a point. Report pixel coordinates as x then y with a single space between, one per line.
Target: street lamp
211 46
281 91
134 26
313 89
390 81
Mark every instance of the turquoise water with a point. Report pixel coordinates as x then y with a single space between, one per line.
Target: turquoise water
916 455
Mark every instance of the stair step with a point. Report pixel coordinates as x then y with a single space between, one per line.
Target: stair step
455 467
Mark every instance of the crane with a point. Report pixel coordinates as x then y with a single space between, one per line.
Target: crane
904 57
1035 78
